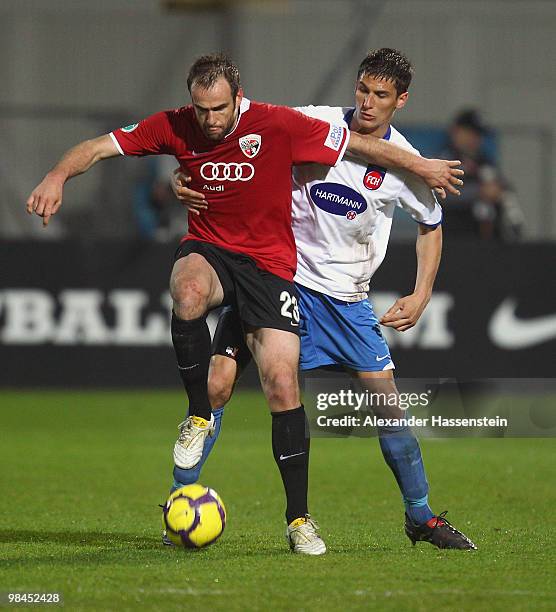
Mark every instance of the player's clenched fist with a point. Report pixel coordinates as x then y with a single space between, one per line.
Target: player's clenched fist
405 312
45 200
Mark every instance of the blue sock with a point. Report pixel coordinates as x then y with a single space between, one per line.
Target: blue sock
402 453
185 477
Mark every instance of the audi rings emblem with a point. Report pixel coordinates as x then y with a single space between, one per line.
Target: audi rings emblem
233 171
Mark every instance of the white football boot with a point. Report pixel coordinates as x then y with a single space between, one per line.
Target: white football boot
302 535
188 448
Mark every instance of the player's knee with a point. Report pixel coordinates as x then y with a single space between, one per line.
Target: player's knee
190 297
281 388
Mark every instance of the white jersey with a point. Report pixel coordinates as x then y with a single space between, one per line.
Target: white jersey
342 216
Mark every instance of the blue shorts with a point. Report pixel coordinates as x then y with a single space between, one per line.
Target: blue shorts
338 333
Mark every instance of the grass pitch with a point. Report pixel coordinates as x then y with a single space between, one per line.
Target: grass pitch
81 475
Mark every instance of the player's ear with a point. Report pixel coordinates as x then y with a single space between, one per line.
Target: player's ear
239 97
402 99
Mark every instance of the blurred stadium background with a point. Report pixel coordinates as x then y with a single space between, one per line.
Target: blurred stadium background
90 291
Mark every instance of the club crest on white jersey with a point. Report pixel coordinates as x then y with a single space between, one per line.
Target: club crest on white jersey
374 175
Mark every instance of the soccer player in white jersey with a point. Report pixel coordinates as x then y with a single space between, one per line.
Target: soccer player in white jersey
341 219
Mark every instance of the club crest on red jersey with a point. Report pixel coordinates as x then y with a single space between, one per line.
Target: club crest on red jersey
374 175
250 145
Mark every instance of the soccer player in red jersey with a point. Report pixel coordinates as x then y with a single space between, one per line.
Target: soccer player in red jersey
241 253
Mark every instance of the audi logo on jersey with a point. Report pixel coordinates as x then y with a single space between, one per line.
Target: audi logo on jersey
233 171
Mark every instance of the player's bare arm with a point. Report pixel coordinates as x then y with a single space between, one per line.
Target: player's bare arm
405 312
195 201
437 173
45 200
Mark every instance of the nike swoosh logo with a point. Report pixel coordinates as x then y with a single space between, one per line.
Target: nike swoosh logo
188 367
282 457
383 357
507 331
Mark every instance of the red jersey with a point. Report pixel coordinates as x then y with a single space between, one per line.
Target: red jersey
246 177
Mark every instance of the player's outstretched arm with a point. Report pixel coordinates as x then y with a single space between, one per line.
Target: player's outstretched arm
437 173
405 312
45 200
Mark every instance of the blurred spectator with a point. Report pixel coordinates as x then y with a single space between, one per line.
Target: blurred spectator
159 215
488 207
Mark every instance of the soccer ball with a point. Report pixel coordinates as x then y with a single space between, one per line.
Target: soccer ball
194 516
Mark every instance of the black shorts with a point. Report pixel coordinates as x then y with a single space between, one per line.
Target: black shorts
229 338
260 298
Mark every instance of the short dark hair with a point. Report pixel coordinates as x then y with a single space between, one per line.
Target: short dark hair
471 119
387 64
209 68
